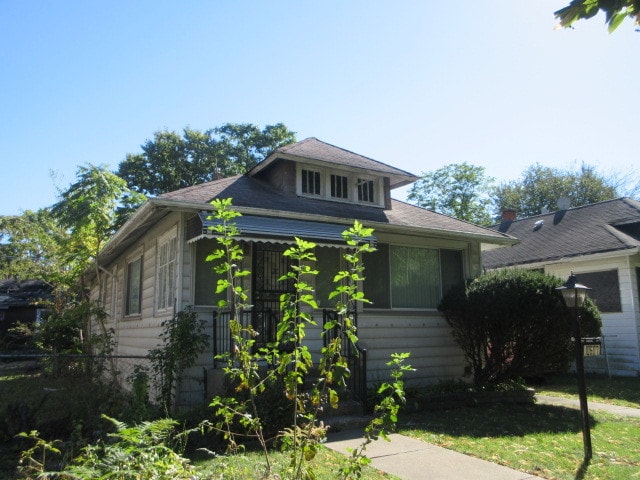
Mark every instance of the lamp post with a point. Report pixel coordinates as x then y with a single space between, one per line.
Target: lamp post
574 295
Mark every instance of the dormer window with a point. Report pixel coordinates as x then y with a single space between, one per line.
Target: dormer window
310 182
339 186
365 190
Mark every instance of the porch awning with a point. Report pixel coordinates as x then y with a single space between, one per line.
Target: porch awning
281 229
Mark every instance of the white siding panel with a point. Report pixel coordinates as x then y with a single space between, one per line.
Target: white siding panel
433 353
620 329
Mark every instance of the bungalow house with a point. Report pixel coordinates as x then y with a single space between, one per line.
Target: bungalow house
600 244
155 264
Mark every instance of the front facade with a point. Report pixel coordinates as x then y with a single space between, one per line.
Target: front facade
155 265
600 244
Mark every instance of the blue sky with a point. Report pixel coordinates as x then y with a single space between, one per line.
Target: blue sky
415 84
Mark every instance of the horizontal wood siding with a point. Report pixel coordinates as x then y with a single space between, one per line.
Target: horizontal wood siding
621 330
427 337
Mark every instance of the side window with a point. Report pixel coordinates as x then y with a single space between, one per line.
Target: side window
133 300
339 186
166 273
605 289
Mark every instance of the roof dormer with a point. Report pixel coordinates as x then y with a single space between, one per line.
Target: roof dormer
316 169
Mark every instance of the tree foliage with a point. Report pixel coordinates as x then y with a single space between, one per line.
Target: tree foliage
541 187
459 190
171 161
88 210
32 247
615 11
514 324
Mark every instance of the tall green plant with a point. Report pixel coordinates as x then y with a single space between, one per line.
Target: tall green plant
290 359
243 367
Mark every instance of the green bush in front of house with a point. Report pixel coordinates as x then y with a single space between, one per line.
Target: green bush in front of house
514 324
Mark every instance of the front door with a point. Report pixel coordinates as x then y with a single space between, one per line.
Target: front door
269 265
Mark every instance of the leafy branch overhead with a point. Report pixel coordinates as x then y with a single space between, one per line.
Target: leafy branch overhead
615 12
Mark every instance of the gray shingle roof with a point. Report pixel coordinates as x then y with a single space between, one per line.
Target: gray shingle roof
249 192
603 227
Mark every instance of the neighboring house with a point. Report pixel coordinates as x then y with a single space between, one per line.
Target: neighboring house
600 243
155 264
20 302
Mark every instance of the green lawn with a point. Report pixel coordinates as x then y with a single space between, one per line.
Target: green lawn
544 440
624 391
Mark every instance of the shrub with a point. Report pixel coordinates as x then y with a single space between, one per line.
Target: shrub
514 324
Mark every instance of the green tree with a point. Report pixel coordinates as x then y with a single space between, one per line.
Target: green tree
88 210
32 248
615 11
459 190
541 187
170 161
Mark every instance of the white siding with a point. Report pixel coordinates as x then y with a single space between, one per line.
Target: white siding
621 330
427 337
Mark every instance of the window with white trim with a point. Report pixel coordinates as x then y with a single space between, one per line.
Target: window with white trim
399 276
339 186
366 190
311 182
166 272
133 294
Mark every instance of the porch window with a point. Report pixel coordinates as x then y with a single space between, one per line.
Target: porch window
310 182
339 186
134 287
166 281
410 277
206 278
328 265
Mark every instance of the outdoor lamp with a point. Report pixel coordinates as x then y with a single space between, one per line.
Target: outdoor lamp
574 294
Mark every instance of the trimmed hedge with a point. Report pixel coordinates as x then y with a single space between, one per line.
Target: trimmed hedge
513 324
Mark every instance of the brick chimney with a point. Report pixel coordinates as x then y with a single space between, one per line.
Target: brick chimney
509 215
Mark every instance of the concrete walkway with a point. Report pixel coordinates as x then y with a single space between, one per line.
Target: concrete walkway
411 459
595 406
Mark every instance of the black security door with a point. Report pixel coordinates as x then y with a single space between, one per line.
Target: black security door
269 265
